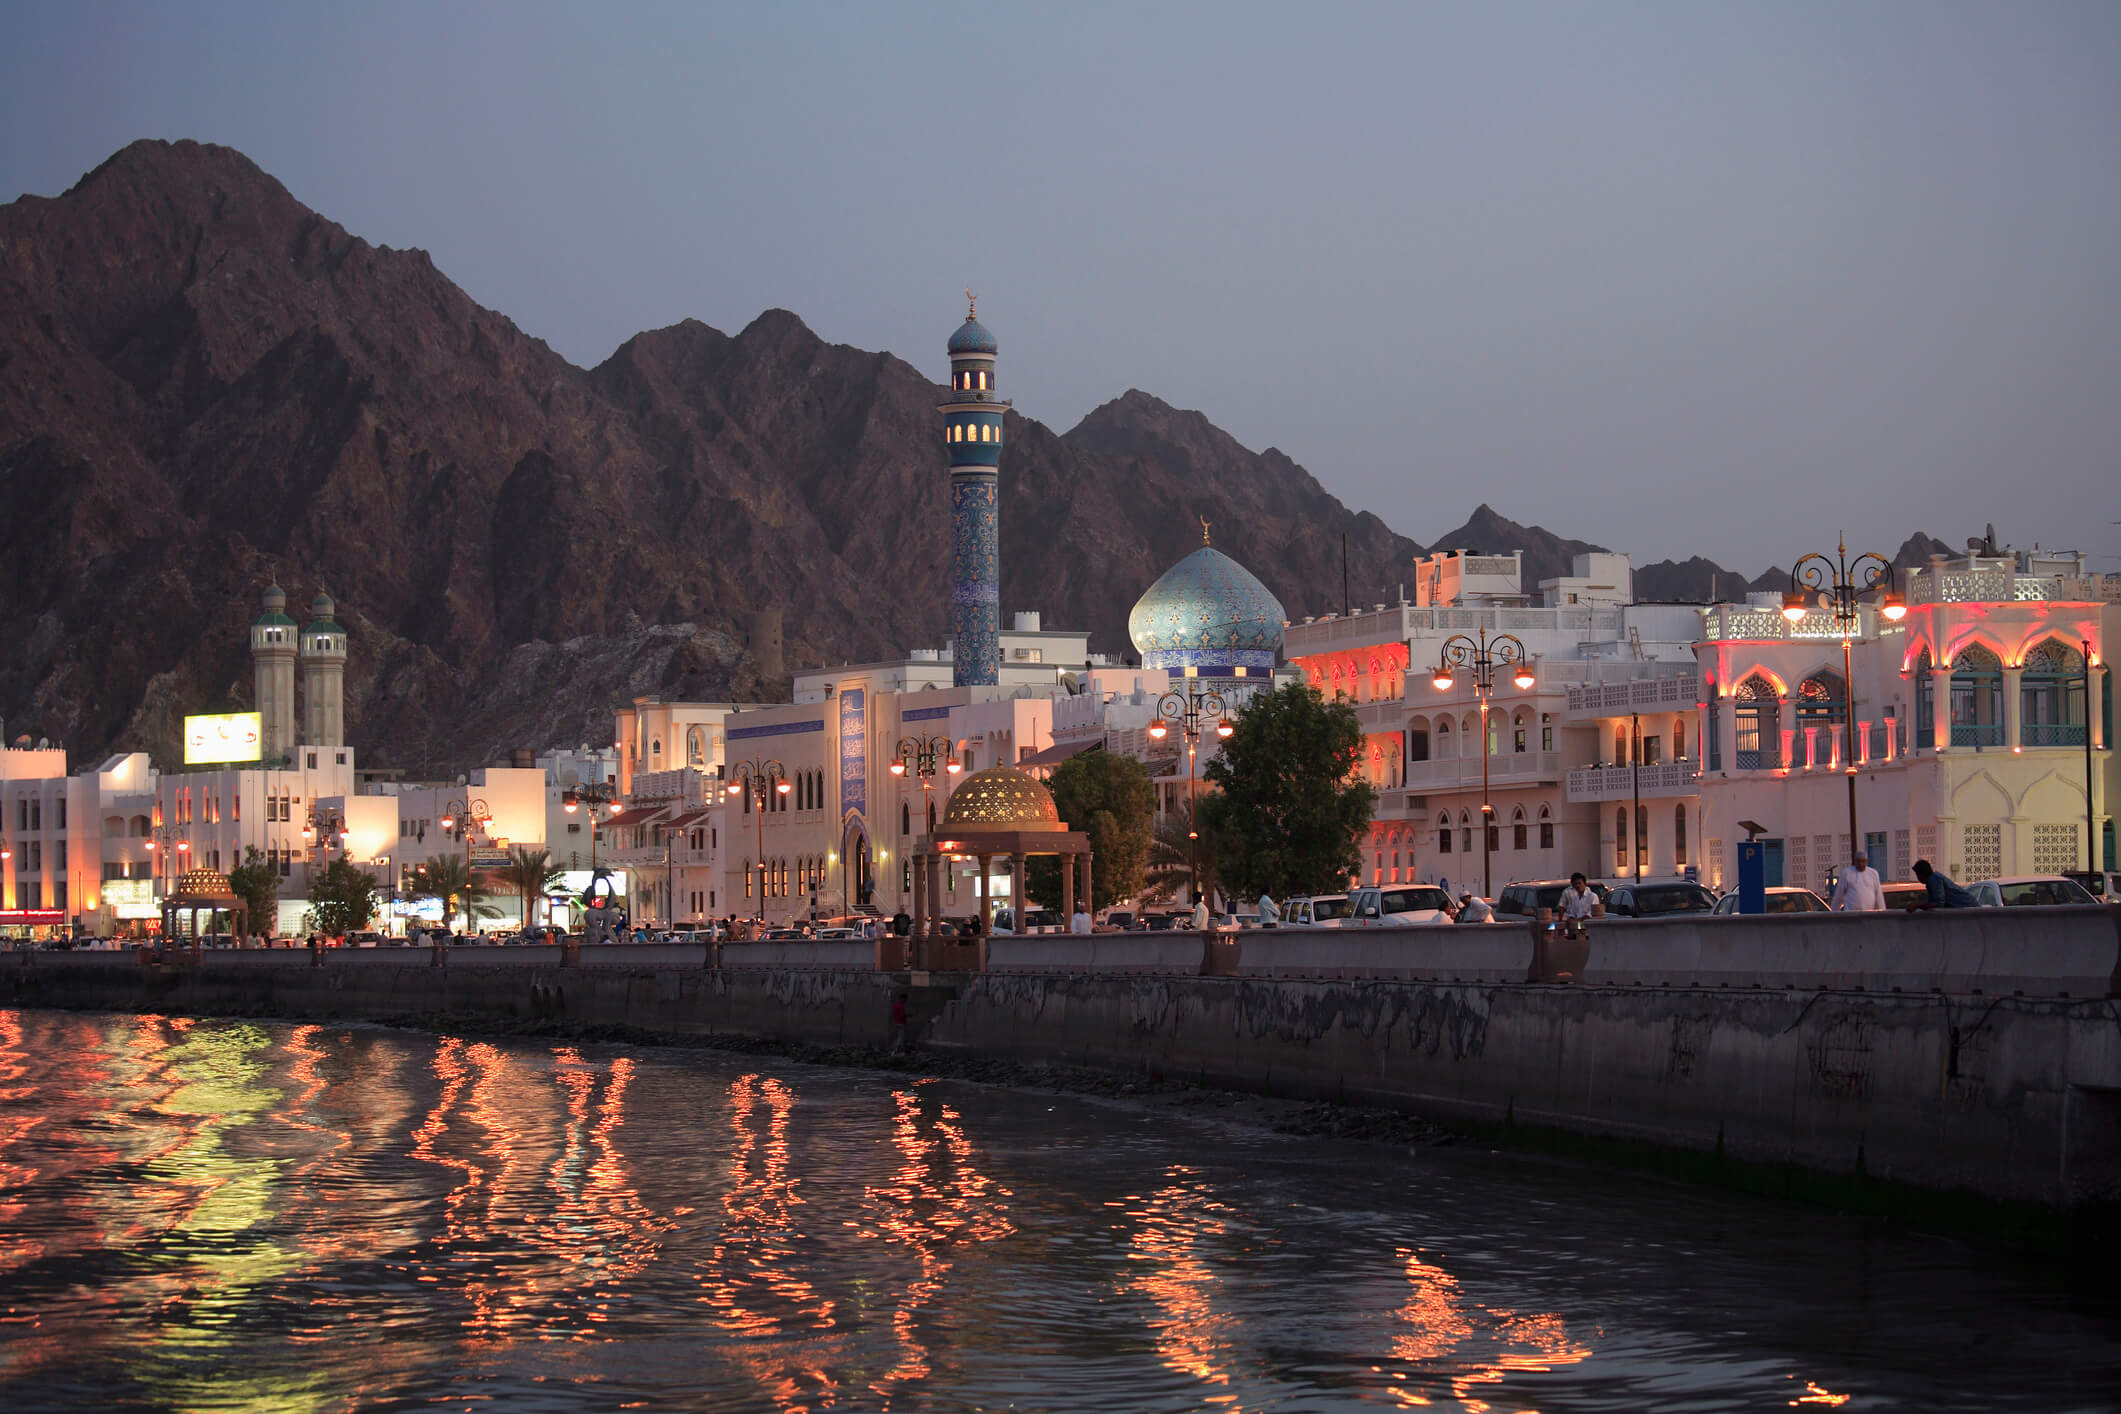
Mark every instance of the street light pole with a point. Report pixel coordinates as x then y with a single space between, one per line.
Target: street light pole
594 796
919 754
2091 829
1481 657
466 814
760 778
1837 585
1190 709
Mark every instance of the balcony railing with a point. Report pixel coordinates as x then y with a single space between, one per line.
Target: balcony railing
1999 583
2052 733
1653 694
1664 779
1459 772
1977 734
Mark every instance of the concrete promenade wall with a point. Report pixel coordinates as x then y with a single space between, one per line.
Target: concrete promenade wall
1978 1049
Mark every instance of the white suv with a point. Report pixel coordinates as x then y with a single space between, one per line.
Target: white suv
1384 904
1316 910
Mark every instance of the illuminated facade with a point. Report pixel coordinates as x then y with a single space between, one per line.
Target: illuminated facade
1973 714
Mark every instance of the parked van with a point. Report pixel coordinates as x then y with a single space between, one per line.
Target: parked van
1316 910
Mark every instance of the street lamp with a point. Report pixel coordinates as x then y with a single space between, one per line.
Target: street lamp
919 755
466 814
761 779
593 796
1191 708
1837 585
1481 657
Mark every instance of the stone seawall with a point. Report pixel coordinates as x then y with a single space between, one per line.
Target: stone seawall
1982 1053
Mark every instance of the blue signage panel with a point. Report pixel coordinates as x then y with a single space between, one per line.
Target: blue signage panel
854 753
1752 876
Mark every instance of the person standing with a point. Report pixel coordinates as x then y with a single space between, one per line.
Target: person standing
1079 921
1200 915
1859 889
901 923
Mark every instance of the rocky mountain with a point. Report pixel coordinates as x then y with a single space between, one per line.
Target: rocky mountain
204 386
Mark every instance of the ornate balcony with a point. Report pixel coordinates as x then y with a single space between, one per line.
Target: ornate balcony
1662 780
2046 734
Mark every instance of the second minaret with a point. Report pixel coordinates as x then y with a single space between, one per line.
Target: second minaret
972 430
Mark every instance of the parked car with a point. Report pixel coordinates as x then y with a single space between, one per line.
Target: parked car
1783 898
1905 896
1238 920
1397 903
1659 900
2104 885
1315 910
1122 919
2029 891
1042 920
1165 922
1520 902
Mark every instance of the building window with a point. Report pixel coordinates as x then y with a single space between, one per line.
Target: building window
1642 839
1443 834
1546 828
1679 835
1546 731
1518 829
1620 839
311 758
1977 699
1759 732
2050 697
1679 739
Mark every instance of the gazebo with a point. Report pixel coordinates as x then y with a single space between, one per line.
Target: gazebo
201 891
997 812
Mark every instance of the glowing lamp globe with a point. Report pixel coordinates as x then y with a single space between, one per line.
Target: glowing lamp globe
1793 606
1443 682
954 767
898 768
1158 731
1895 609
1524 678
1224 730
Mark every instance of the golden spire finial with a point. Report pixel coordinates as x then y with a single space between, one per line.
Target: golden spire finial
1204 531
971 306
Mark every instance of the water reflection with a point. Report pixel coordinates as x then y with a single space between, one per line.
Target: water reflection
233 1216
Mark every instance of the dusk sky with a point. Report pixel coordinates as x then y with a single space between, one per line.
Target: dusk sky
1680 278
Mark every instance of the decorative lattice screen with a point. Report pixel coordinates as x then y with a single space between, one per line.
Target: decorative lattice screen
1984 852
1716 864
2056 848
1794 868
1903 858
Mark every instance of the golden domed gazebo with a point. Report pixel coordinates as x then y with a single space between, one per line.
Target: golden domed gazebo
999 811
200 891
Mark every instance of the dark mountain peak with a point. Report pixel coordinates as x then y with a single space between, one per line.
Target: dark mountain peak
780 327
1488 532
1917 549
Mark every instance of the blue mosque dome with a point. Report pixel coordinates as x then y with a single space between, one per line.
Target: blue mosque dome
1209 613
972 338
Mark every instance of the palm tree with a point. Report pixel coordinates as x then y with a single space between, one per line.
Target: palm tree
444 877
1171 859
532 874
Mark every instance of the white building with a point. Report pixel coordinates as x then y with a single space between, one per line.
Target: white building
1971 726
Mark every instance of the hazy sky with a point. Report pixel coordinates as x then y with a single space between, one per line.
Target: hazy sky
1685 278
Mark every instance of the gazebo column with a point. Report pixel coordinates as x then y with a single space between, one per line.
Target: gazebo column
1018 903
1089 897
936 864
1067 873
986 895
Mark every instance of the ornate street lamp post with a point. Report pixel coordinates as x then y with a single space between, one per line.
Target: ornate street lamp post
595 797
1481 657
920 755
1191 708
1837 586
466 815
761 779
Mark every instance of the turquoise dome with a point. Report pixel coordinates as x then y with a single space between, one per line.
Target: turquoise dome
972 338
1207 612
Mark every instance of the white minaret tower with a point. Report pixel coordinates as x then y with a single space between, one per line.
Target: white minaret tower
323 676
272 654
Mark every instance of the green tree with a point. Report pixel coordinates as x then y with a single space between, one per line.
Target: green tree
1288 813
533 876
444 877
342 898
257 883
1108 797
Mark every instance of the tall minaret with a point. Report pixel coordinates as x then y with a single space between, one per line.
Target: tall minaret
972 429
272 654
323 676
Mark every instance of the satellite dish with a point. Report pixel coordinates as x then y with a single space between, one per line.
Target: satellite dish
44 743
1072 684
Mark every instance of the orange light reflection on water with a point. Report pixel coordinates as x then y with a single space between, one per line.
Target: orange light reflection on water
1173 1225
1470 1346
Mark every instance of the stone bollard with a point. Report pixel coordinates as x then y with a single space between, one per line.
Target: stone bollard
571 953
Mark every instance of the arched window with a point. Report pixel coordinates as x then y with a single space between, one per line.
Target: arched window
1822 709
1759 729
1446 740
1546 828
2050 702
1520 732
1925 703
1465 832
747 878
1679 836
696 747
905 818
1977 698
1443 834
931 817
1679 738
1418 739
1518 829
1620 839
1642 840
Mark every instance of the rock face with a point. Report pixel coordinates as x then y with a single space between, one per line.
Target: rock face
204 385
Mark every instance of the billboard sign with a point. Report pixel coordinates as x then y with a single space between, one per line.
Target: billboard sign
228 737
130 898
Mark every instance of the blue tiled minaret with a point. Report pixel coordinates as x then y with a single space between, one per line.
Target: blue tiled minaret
972 430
